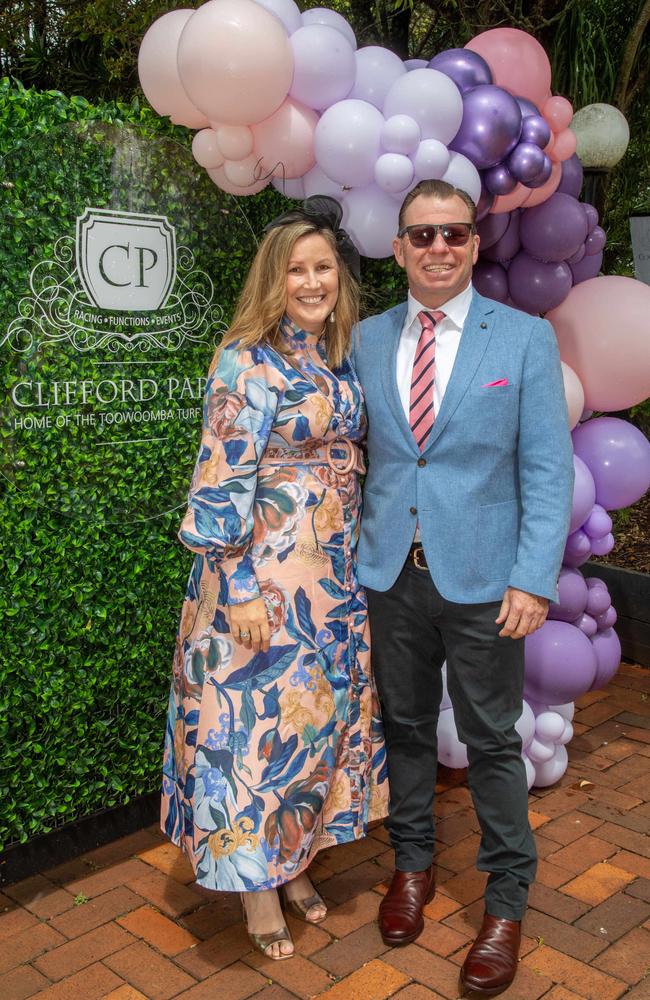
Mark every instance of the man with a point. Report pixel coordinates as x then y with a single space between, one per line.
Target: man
466 510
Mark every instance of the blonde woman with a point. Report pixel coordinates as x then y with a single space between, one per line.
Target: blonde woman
274 747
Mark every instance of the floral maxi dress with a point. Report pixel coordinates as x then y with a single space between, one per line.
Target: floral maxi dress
270 757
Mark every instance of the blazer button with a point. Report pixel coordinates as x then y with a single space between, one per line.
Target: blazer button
422 462
413 510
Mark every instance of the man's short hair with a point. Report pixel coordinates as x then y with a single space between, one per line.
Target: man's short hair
437 189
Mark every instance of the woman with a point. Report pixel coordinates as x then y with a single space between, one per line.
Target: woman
273 747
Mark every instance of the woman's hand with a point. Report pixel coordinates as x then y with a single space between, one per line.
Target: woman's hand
249 624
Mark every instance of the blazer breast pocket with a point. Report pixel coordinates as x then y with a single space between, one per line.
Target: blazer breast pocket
509 391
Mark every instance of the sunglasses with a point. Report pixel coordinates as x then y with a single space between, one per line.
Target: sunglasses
455 234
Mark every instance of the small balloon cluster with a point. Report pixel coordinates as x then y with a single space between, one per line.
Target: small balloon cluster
531 257
286 98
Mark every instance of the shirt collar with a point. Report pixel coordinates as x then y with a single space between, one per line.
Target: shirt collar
455 309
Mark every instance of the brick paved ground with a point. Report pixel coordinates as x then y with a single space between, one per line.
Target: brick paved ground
126 922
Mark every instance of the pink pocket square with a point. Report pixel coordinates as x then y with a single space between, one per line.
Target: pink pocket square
499 381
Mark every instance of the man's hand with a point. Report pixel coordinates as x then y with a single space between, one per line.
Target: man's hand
521 613
249 624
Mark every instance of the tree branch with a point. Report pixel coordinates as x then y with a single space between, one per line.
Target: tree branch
621 96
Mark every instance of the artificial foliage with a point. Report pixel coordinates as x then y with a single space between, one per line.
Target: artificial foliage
92 573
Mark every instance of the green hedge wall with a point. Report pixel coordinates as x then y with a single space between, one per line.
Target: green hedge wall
89 608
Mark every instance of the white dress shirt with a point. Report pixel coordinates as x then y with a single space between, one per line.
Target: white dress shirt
448 333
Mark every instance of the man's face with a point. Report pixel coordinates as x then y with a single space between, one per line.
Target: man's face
439 272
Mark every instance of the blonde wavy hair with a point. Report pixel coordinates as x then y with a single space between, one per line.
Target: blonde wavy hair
263 299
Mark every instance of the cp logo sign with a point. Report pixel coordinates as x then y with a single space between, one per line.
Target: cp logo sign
126 261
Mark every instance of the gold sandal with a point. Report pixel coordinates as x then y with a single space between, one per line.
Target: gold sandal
301 907
261 942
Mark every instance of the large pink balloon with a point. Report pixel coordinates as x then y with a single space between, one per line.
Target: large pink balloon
508 202
235 61
603 333
285 140
159 74
518 62
219 177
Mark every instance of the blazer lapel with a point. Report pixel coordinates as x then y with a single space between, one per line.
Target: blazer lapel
473 345
389 373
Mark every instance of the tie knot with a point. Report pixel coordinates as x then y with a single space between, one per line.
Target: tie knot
429 318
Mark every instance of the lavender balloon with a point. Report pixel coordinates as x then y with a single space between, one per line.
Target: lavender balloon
598 523
555 229
598 600
491 228
466 68
499 180
560 663
509 244
577 549
607 647
607 619
490 279
536 286
490 127
618 456
584 494
572 176
536 129
586 624
602 546
595 581
525 161
586 268
573 594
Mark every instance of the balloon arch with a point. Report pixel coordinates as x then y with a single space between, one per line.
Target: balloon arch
286 98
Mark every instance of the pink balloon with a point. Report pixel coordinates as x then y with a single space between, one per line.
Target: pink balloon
558 112
205 150
234 141
543 193
235 61
285 140
602 330
564 146
575 394
517 60
508 202
159 74
219 177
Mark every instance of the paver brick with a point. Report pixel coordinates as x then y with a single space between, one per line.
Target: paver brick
441 906
346 884
430 970
344 856
15 919
168 895
351 952
89 984
27 944
629 958
587 982
308 938
416 991
598 882
354 913
158 930
375 981
570 827
169 859
582 854
214 917
107 878
122 848
441 939
236 982
555 903
157 977
461 855
615 916
551 875
74 955
632 863
97 911
126 992
466 887
300 976
40 896
216 953
21 982
639 888
564 937
637 843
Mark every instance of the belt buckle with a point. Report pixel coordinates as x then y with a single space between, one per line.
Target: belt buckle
418 552
351 460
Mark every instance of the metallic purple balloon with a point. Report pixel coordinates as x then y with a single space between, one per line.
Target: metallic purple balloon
571 182
537 287
588 267
491 228
527 107
485 203
536 129
499 180
595 242
507 245
490 127
543 175
491 280
466 68
591 215
555 229
525 161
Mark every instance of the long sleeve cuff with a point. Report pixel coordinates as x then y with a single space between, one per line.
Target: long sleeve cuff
240 578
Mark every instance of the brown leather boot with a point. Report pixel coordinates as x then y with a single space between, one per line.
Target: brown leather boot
400 911
491 962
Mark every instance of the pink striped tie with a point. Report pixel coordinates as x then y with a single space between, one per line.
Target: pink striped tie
421 414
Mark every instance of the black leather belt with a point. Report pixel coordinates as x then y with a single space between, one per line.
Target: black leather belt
417 557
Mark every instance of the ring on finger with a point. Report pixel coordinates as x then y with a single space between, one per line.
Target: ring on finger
244 634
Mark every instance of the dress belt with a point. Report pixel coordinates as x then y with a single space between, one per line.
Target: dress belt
341 455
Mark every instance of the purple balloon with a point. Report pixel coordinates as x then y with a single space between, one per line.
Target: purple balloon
584 494
466 68
586 624
588 267
618 456
577 549
536 129
491 228
573 594
490 127
527 107
601 546
507 245
499 180
560 663
598 600
536 286
526 161
607 619
595 242
485 203
571 181
491 280
576 257
544 174
607 648
598 523
591 214
555 229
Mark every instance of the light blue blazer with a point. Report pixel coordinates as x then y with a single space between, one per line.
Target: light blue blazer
493 494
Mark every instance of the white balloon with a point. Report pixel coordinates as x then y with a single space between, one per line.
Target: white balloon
316 181
377 70
567 734
462 173
550 771
324 66
530 771
451 752
525 725
412 64
286 11
431 160
370 216
393 172
347 142
400 134
321 15
549 726
567 710
431 98
205 150
445 701
540 752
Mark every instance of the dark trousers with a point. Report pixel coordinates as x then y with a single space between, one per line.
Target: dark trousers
414 629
